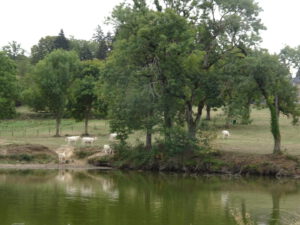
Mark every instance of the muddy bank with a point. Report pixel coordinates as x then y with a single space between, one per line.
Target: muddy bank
33 156
40 157
216 163
27 153
51 166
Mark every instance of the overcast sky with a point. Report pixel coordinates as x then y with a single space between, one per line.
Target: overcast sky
26 21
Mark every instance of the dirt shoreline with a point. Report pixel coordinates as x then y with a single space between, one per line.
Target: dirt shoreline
30 157
53 166
235 164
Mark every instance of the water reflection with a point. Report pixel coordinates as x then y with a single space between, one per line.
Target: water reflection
101 197
258 202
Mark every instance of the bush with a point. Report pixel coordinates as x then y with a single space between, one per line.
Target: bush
178 143
22 157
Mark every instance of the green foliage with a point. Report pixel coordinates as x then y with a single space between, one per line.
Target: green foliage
8 87
13 50
61 42
84 100
273 80
22 157
144 68
178 142
48 44
44 47
135 157
159 80
103 43
54 76
85 49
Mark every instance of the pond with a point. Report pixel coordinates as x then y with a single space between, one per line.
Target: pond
93 197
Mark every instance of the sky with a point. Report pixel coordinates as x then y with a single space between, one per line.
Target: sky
26 21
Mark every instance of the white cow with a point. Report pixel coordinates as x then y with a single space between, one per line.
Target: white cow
107 149
72 139
61 157
88 140
112 136
225 133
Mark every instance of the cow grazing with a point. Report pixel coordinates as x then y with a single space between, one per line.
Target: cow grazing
72 139
61 157
113 136
107 149
88 140
225 134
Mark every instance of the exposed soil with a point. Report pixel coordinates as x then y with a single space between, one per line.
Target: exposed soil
14 149
274 165
28 156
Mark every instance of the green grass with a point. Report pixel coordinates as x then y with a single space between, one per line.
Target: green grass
254 138
41 131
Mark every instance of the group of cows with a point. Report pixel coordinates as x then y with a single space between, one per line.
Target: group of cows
90 140
107 148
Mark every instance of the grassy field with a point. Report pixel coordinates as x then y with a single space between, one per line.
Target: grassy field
41 131
254 138
257 138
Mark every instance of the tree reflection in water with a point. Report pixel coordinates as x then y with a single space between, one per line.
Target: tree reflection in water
113 197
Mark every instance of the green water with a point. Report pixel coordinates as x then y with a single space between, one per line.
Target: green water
51 197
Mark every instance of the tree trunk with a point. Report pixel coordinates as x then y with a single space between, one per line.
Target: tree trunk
192 122
168 123
149 139
208 109
192 130
229 116
275 126
58 120
86 124
246 114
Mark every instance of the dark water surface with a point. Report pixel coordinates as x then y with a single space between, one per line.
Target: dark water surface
91 197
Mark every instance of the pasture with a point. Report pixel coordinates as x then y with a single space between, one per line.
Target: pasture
254 138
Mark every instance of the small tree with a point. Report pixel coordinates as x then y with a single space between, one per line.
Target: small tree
53 76
84 97
274 82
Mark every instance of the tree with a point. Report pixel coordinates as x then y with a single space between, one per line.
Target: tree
191 37
44 47
86 50
104 43
54 76
61 42
48 44
8 87
237 90
17 54
221 28
146 68
224 28
84 93
13 50
274 82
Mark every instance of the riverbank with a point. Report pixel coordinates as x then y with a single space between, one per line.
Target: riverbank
233 163
213 163
34 156
52 166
